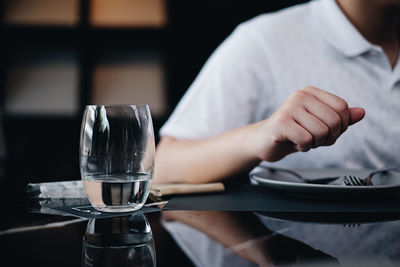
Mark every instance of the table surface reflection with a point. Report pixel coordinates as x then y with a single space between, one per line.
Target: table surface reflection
198 238
204 238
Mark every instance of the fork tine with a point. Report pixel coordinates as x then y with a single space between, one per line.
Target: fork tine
357 180
363 182
350 179
354 180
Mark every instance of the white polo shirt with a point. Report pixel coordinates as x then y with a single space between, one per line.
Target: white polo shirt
265 59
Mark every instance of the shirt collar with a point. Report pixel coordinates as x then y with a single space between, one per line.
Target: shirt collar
337 29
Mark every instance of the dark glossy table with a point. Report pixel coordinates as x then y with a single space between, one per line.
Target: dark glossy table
223 237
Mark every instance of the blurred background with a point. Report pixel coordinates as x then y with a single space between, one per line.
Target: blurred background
59 55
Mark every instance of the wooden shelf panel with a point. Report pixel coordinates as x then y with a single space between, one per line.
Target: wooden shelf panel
45 84
128 13
42 12
130 78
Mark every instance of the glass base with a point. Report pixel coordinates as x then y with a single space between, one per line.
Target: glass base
120 208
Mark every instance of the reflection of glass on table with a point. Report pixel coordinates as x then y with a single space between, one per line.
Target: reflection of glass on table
118 241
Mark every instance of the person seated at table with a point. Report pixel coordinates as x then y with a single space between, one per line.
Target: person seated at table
292 81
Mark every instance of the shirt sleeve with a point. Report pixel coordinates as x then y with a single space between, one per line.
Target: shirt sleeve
225 95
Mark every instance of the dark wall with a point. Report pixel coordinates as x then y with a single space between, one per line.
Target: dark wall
46 148
198 27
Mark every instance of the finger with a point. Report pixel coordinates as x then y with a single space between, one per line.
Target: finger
356 114
328 116
300 137
336 103
312 124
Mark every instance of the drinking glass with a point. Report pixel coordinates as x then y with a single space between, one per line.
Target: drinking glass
117 156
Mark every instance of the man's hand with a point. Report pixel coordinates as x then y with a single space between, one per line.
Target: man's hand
308 119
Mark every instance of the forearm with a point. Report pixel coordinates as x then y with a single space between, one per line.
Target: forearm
206 160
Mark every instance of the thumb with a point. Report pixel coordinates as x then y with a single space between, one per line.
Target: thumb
356 114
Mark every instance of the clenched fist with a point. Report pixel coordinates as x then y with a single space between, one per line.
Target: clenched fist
308 119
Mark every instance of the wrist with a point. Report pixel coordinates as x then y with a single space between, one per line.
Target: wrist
253 141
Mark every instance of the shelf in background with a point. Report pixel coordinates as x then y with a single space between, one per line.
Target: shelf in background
42 84
130 78
128 13
41 12
99 13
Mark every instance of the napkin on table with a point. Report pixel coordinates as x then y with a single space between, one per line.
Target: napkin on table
75 189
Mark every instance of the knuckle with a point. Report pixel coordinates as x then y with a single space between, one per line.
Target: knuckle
299 95
335 121
320 136
323 131
309 88
342 106
336 126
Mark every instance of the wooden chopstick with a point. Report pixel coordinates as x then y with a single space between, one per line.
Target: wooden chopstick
160 190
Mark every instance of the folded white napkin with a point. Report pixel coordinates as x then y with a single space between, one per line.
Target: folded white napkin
66 189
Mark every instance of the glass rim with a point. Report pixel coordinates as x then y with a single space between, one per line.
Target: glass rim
118 105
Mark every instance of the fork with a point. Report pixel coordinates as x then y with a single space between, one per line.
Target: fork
367 181
322 180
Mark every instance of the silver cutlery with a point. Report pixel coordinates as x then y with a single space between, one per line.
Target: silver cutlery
348 180
322 180
351 180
